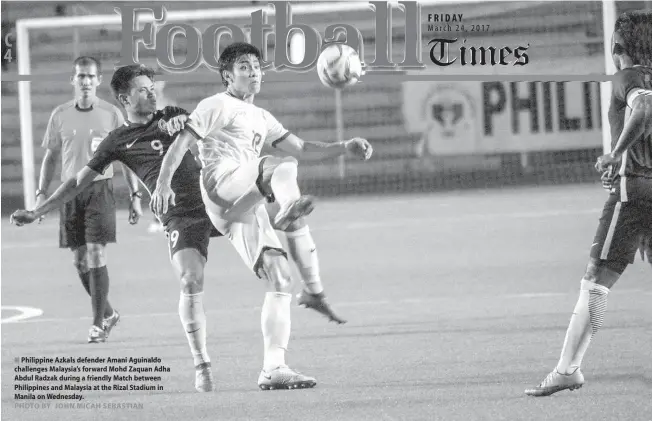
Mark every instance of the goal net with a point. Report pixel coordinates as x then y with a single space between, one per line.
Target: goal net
444 127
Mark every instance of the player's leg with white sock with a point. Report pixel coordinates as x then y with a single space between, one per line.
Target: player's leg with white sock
588 315
275 316
303 251
193 319
189 264
276 324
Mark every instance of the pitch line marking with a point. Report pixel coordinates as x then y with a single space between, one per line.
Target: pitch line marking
25 313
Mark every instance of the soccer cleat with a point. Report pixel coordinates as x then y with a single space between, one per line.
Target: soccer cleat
556 382
318 303
303 206
204 378
283 377
96 334
110 322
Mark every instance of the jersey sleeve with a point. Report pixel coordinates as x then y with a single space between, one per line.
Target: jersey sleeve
104 155
209 116
275 130
52 136
625 81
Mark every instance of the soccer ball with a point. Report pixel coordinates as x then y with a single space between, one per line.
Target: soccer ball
338 66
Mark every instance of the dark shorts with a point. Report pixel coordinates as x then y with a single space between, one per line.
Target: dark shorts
89 217
625 222
192 230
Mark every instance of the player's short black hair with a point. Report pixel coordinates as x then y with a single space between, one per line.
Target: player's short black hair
231 54
121 80
635 28
87 61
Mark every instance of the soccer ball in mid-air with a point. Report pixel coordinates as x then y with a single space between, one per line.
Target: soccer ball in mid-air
338 66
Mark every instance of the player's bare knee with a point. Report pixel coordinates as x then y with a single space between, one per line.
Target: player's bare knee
603 273
96 255
79 260
277 271
591 273
192 281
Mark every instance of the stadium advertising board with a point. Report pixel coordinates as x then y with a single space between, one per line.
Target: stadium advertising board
494 117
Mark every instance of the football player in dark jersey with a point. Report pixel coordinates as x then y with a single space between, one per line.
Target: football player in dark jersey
141 144
626 220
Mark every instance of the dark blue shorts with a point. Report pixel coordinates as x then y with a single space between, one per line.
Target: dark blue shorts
193 229
625 222
89 217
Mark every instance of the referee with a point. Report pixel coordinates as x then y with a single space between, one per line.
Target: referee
87 223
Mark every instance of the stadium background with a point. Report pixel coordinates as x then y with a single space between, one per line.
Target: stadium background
457 300
417 149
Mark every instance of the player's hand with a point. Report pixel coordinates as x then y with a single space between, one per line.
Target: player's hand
39 201
22 217
176 124
605 161
161 198
135 210
360 148
607 179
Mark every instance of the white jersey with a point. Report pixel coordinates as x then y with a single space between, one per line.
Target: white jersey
233 129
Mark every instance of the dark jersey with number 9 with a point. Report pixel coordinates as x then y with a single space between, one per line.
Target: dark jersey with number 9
637 161
141 147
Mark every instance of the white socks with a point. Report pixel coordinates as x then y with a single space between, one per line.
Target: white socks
193 318
275 323
304 253
586 321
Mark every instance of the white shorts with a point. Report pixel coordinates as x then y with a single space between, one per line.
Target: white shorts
249 230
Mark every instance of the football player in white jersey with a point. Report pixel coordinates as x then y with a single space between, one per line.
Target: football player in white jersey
230 132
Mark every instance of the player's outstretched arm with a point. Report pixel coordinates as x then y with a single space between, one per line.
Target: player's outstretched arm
66 192
163 195
301 149
135 208
47 173
636 126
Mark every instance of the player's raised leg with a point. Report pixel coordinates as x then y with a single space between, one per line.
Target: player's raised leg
303 251
251 182
283 185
